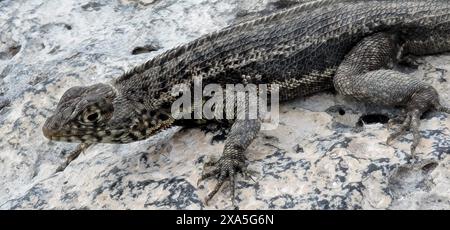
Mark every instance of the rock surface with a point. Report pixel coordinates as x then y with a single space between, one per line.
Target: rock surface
316 159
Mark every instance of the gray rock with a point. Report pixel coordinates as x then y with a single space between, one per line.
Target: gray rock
314 160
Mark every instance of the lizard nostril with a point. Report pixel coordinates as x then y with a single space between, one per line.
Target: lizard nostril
54 125
49 128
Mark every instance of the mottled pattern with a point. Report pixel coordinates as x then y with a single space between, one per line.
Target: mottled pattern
297 49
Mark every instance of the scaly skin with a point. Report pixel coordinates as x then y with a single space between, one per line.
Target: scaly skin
313 47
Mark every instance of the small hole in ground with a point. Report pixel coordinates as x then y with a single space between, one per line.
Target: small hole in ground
429 167
373 119
427 114
14 50
4 103
9 52
144 49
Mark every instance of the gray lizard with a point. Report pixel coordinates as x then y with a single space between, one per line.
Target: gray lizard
347 45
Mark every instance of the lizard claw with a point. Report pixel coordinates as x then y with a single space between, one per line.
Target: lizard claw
248 174
224 169
412 122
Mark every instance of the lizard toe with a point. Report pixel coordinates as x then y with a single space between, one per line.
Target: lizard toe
400 131
411 122
225 169
444 109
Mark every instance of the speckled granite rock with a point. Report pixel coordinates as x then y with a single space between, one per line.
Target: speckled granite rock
316 159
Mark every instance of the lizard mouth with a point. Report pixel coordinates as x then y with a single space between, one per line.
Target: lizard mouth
52 129
56 132
60 136
83 138
68 135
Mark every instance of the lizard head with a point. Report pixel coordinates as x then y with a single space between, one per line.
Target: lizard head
98 113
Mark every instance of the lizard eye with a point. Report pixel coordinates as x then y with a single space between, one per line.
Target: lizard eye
92 117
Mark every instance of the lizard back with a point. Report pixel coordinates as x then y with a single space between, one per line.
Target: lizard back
299 48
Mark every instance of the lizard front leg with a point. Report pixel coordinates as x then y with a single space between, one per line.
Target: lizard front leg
73 155
364 76
232 161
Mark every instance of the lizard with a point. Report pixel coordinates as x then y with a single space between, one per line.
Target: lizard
349 46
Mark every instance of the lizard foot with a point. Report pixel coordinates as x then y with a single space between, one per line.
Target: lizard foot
443 109
411 121
224 169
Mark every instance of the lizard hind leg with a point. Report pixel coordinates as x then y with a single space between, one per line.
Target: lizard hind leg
364 75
